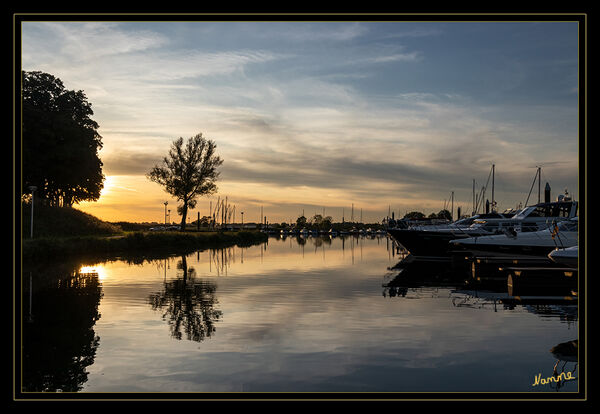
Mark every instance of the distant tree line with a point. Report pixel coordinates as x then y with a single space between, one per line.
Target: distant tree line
416 215
60 142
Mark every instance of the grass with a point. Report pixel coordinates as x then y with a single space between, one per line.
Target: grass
60 232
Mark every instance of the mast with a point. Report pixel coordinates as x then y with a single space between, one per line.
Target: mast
539 185
493 173
473 211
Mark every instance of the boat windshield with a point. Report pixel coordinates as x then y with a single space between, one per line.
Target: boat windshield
557 209
464 222
487 224
568 225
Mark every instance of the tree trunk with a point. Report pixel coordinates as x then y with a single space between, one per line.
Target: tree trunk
183 215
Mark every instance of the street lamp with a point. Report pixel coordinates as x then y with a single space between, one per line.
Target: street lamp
32 188
166 202
242 220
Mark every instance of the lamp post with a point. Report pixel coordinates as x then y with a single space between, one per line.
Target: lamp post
32 188
242 220
166 202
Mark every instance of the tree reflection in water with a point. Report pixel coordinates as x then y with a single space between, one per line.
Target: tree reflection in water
59 341
188 305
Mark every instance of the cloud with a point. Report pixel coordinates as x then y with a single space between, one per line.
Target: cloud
94 40
414 33
169 66
318 32
398 57
130 163
312 110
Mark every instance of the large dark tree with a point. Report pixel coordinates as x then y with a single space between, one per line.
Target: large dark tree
188 171
60 142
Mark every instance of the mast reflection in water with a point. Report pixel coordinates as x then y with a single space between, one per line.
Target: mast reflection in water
296 314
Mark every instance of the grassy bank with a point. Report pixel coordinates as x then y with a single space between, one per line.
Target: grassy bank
142 243
60 232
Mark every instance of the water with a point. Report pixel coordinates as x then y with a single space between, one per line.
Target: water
292 315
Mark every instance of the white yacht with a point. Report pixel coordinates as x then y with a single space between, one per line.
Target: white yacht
432 240
542 216
561 234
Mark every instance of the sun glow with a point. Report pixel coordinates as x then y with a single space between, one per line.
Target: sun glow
99 270
109 184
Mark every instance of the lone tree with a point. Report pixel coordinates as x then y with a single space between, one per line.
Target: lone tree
188 171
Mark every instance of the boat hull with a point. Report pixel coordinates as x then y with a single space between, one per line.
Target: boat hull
504 249
425 243
567 257
537 244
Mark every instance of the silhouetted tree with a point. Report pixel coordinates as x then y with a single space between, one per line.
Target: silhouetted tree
414 215
444 214
60 142
301 222
188 172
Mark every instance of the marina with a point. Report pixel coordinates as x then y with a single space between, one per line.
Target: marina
219 207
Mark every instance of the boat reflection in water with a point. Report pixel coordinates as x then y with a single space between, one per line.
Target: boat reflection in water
487 284
291 315
565 352
551 293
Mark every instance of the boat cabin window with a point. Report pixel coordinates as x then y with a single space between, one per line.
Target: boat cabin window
552 210
491 226
567 225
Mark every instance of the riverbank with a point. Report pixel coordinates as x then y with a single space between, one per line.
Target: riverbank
138 242
61 232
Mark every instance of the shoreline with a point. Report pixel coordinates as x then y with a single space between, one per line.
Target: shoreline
138 243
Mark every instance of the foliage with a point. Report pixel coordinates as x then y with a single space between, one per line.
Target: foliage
188 172
320 222
444 214
414 215
301 222
60 142
136 243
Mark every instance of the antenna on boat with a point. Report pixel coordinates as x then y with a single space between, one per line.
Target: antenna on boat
538 176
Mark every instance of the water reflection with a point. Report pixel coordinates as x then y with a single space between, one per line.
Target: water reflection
415 278
294 314
188 305
59 341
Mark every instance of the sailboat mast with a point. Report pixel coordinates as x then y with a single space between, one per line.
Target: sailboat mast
493 173
539 184
473 211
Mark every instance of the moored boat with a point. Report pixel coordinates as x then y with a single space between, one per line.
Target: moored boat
563 234
568 256
433 240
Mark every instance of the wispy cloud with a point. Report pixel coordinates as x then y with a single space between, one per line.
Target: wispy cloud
84 41
309 113
398 57
313 32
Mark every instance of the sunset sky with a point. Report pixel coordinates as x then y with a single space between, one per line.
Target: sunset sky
317 116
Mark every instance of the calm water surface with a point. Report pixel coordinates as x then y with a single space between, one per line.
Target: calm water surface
291 315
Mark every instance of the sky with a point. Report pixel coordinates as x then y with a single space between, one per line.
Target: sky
317 117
